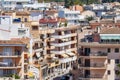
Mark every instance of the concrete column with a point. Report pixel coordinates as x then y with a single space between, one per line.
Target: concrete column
22 70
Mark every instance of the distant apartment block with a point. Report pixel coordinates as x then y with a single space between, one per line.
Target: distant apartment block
99 55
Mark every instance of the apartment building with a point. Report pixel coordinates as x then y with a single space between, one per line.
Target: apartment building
71 16
13 4
42 57
9 29
14 46
99 55
12 58
65 47
54 49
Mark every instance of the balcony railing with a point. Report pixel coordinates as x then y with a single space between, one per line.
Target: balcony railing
63 51
6 64
65 60
64 36
64 43
97 65
94 54
10 54
94 65
98 54
93 76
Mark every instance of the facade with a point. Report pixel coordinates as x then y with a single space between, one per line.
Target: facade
12 29
65 47
13 4
12 58
71 16
99 55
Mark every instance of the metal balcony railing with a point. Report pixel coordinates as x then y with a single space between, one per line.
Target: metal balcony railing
11 54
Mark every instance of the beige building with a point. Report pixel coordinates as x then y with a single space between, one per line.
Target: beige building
54 49
13 58
99 55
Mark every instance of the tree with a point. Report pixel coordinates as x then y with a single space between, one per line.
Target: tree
65 24
118 72
89 18
69 3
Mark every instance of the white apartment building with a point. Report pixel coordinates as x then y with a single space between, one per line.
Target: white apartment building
71 16
13 4
10 30
39 6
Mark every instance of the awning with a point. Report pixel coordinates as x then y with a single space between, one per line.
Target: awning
64 55
110 37
71 54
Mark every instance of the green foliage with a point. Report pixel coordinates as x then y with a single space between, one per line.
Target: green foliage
69 3
17 76
65 24
118 73
89 18
51 0
60 24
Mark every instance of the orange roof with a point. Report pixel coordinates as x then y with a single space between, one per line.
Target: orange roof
43 20
22 13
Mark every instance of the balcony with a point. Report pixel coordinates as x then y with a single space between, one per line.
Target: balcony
26 61
50 47
65 60
64 36
64 51
94 65
10 55
93 77
95 55
6 65
39 49
64 43
51 39
46 30
98 66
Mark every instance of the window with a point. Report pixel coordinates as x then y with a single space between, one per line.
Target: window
108 50
21 32
116 61
109 61
116 72
108 72
116 50
34 27
25 19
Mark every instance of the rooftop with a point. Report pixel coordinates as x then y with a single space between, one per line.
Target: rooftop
112 30
11 42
